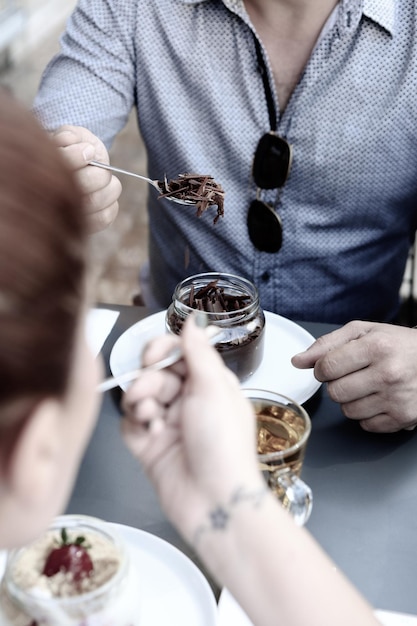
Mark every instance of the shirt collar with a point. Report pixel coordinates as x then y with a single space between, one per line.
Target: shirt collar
351 12
380 11
192 1
235 6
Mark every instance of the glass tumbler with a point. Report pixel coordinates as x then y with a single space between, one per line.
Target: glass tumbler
283 431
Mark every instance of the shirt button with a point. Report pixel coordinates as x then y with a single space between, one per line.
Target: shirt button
265 277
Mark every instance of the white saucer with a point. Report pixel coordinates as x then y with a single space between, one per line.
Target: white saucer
283 339
230 613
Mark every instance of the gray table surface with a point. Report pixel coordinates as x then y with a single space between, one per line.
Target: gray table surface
364 486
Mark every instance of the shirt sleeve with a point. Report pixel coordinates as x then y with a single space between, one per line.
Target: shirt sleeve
91 81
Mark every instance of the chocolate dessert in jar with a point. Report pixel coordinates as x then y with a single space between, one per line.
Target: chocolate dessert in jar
78 573
232 303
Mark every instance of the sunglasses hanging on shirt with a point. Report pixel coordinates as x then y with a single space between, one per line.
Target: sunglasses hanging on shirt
270 170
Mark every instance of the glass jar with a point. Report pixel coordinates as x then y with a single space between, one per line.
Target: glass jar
28 598
232 303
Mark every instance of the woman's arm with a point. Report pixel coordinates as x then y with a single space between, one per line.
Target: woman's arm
194 433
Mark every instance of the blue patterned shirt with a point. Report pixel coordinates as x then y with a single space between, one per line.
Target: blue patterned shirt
348 207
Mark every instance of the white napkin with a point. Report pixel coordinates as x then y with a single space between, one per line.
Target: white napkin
230 612
99 324
390 618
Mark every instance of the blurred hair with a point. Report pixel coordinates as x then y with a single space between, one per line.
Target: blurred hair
42 261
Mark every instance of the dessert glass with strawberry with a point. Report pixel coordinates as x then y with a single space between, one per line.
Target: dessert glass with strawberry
78 573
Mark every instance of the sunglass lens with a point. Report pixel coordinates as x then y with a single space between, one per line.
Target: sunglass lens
264 227
272 161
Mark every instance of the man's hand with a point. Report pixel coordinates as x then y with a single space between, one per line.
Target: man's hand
371 370
101 190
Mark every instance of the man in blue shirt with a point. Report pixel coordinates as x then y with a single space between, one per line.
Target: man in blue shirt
332 83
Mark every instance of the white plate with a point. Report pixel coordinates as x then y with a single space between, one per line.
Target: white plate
173 590
283 339
230 613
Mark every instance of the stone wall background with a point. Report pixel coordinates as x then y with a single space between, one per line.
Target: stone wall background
117 252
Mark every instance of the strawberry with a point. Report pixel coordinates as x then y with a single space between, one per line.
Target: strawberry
69 556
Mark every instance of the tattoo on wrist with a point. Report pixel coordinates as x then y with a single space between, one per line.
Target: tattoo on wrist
218 519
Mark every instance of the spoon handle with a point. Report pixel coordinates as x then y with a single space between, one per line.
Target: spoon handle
214 334
109 383
161 188
104 166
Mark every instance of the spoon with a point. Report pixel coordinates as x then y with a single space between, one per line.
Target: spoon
155 183
214 334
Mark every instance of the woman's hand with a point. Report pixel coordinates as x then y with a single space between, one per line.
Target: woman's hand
192 429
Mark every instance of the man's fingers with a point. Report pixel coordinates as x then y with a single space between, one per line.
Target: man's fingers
381 423
79 155
352 357
331 341
376 414
80 143
353 386
99 220
99 193
67 135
